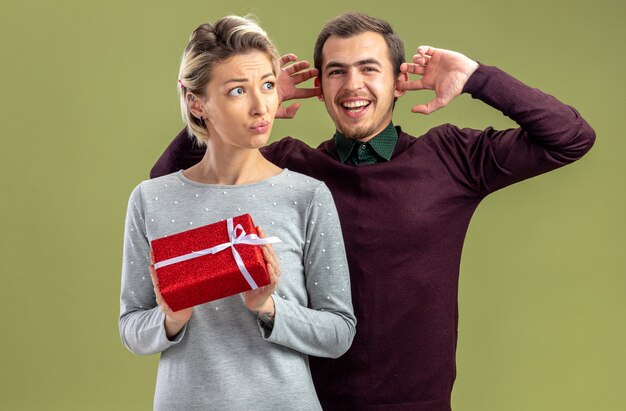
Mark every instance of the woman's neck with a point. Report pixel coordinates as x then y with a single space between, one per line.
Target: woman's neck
231 167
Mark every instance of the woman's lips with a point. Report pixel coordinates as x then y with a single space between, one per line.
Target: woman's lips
261 127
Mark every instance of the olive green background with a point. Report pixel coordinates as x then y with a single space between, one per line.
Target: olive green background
88 104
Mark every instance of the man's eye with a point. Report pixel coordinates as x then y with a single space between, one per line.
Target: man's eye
268 85
237 91
335 72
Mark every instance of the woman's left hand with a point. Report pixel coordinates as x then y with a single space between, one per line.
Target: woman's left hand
260 300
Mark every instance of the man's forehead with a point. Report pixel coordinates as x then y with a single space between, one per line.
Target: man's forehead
351 50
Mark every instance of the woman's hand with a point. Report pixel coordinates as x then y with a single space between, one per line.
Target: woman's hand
260 301
174 320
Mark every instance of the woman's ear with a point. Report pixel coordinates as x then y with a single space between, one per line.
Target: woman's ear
195 105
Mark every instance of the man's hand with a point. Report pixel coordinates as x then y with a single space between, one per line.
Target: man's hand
443 71
289 77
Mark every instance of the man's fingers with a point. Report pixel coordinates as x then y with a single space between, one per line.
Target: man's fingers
429 107
410 85
412 68
296 67
292 110
303 76
287 58
421 60
287 112
426 50
307 92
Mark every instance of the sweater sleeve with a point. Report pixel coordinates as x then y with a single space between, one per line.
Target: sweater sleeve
550 135
141 323
326 328
182 153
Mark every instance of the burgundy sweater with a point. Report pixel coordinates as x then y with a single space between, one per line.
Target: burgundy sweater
404 222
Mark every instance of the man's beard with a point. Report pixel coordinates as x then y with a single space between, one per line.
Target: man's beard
359 132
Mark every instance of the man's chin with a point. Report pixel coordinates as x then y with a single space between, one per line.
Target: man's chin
357 133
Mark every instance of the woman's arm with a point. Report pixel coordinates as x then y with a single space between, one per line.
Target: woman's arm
326 328
142 322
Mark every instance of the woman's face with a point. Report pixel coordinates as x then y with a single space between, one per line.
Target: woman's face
241 101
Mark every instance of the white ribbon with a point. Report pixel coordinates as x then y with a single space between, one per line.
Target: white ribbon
242 238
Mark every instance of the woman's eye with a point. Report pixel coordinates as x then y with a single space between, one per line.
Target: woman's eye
268 85
237 91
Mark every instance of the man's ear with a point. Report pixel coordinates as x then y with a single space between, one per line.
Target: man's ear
318 83
402 77
195 105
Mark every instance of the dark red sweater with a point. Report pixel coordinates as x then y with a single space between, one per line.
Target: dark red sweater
404 222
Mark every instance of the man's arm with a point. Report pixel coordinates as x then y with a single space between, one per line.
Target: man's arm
183 152
550 133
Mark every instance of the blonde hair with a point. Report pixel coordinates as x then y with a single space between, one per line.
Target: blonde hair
209 45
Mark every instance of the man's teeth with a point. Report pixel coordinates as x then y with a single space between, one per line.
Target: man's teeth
355 104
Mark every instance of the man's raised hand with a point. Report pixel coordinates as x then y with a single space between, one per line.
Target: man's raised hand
443 71
290 76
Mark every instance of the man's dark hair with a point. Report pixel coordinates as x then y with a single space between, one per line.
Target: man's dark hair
352 24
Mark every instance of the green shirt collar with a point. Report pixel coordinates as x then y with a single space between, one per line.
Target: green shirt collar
383 144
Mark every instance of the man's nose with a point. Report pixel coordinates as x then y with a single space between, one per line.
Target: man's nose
354 79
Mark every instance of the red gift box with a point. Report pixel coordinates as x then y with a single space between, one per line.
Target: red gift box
203 264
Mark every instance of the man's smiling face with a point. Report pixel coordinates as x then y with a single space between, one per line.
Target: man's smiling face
358 84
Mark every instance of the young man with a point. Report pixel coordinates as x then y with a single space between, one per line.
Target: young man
405 203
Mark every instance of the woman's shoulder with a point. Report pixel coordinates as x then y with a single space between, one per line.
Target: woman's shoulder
304 181
158 184
300 188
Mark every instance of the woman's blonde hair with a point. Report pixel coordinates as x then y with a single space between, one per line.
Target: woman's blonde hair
209 45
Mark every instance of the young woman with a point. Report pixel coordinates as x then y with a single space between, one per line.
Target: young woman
248 351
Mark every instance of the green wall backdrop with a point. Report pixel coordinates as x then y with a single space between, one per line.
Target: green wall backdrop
88 104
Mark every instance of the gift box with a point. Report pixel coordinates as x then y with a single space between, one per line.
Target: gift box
210 262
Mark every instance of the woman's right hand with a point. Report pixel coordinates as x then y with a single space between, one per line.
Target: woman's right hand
174 320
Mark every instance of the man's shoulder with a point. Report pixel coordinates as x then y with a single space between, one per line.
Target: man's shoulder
288 143
289 146
429 137
438 142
